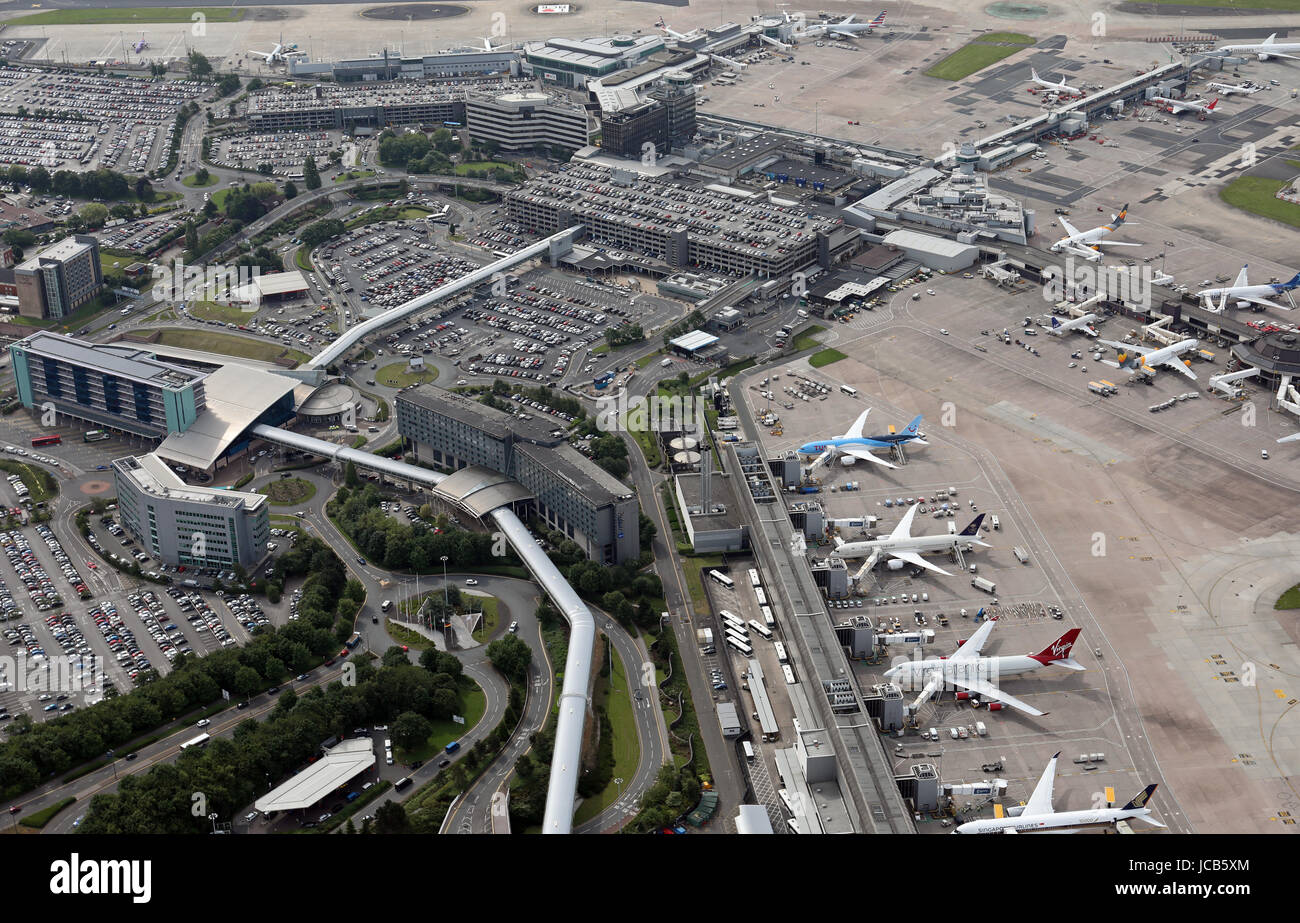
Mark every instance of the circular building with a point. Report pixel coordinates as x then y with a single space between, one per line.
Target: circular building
328 403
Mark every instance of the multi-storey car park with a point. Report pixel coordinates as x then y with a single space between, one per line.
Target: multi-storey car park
677 222
368 106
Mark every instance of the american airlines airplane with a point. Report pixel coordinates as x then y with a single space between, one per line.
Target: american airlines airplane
1245 295
1179 106
1231 89
1081 324
845 28
1038 815
976 675
905 546
1135 358
1088 244
1269 48
1062 88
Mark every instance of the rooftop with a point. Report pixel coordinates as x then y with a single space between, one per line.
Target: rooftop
344 762
65 249
236 396
125 361
496 423
150 474
583 474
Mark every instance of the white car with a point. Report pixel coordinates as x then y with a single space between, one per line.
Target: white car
203 722
471 582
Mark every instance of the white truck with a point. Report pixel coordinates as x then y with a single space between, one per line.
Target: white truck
983 583
1021 554
705 636
667 363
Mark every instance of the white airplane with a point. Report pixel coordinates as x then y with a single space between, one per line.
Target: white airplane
1081 324
853 445
1063 88
1269 48
846 27
1179 106
977 676
1038 815
1231 89
281 52
1245 295
905 546
1088 244
1135 358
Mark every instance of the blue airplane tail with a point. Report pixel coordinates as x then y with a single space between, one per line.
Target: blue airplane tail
914 427
1055 323
1293 282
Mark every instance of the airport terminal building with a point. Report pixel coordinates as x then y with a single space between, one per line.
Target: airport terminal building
569 491
185 525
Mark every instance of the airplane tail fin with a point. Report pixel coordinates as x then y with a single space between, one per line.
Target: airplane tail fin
1058 649
1055 323
1293 282
1123 212
1033 74
914 427
974 527
879 20
1141 798
1213 104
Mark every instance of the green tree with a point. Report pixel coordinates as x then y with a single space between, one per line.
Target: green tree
390 817
94 214
310 176
191 237
411 730
290 190
511 656
199 65
350 476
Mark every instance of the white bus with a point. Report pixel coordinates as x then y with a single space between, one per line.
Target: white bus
749 751
722 579
754 581
762 597
761 629
200 741
740 646
768 618
789 674
781 656
730 618
738 636
851 392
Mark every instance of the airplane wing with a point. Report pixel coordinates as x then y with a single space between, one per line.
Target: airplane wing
1274 54
866 455
1177 365
904 527
1113 243
1040 802
261 54
1069 228
971 649
1261 301
986 690
1126 348
1294 437
837 32
855 431
911 557
846 20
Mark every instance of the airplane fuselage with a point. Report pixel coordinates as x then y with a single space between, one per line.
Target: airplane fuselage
866 442
919 543
915 673
1062 822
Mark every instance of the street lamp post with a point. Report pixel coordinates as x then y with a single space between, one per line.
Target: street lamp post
446 591
110 755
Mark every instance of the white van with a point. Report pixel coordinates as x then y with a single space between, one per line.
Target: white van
385 605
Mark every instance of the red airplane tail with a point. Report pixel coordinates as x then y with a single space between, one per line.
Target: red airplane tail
1058 649
1213 104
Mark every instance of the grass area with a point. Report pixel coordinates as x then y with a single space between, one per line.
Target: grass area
617 700
404 213
302 259
228 345
601 350
398 375
403 635
692 569
1290 599
226 312
805 339
825 357
38 819
979 54
193 181
219 197
1255 194
40 483
73 321
353 174
646 360
126 15
491 617
471 703
289 491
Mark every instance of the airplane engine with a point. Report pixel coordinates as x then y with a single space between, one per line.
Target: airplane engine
1262 56
1243 305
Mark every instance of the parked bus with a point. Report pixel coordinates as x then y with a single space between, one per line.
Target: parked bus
730 617
96 435
46 440
851 392
761 629
749 751
738 627
740 646
781 656
762 597
200 741
789 674
768 618
354 640
753 578
738 634
716 576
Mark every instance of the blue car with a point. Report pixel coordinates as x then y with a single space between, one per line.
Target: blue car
101 467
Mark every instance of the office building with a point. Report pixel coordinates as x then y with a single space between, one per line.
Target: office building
637 131
59 279
569 491
676 93
116 386
181 524
388 66
571 62
526 119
